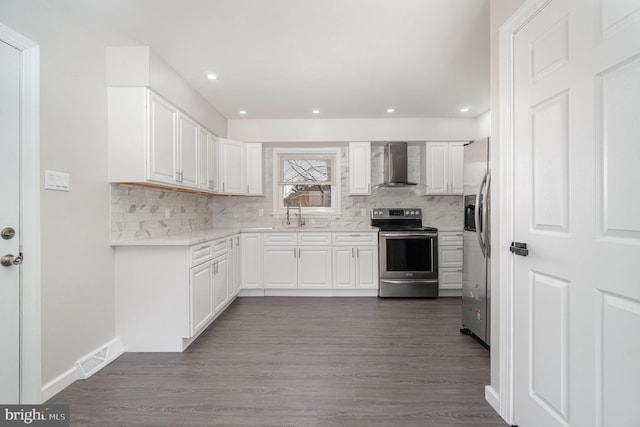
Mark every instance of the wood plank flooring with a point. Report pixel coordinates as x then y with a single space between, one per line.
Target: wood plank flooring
302 362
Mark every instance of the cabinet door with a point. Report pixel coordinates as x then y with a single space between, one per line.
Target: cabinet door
314 267
201 296
254 168
162 140
280 266
251 260
367 267
359 168
437 170
221 282
208 161
456 165
188 156
232 166
344 271
237 265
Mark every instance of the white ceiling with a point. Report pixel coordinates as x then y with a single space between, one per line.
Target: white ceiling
280 59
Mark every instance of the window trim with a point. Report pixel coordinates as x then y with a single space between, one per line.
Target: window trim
336 181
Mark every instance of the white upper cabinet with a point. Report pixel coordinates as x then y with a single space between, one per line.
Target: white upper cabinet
150 140
208 161
232 166
162 140
187 148
359 168
253 162
444 167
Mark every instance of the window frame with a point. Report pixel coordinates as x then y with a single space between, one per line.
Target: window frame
336 181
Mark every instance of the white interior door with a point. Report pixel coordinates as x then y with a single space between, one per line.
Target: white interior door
9 219
577 206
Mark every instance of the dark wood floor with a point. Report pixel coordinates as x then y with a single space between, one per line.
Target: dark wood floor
302 362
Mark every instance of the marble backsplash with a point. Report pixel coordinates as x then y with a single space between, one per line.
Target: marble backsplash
138 212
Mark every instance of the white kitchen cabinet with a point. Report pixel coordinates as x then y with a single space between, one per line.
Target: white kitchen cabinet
297 260
167 295
359 168
236 276
150 140
208 161
221 294
232 168
450 250
201 296
251 250
314 267
163 118
253 168
355 260
444 162
187 149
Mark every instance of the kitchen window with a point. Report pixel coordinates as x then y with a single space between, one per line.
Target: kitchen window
307 178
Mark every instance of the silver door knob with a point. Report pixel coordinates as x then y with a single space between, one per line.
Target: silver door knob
9 260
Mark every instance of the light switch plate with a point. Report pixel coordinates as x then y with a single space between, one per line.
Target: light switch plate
363 212
58 181
260 212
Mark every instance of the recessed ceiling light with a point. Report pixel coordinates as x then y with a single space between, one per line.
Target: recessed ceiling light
316 111
243 112
391 110
465 109
211 76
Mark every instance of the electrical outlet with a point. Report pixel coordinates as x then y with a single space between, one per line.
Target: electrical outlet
363 212
167 213
260 212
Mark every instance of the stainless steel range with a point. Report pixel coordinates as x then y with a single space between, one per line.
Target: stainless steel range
408 254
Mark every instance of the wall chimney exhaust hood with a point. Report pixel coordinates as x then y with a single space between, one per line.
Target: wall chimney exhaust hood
395 166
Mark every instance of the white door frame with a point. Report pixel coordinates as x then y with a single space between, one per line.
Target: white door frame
30 335
506 207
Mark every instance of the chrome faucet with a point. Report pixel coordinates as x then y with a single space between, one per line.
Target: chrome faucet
301 221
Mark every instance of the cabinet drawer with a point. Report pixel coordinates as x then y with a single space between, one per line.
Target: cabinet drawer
450 238
450 256
220 247
450 278
314 239
201 253
289 239
355 239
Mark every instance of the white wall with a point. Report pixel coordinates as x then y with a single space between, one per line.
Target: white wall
483 122
77 261
336 130
500 11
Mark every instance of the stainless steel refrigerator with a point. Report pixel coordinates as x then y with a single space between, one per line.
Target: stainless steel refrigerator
476 283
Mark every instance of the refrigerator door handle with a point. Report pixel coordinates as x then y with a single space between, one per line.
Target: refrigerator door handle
485 215
476 214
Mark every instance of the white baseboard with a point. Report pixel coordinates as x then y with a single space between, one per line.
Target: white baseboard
321 292
58 384
492 396
83 368
450 293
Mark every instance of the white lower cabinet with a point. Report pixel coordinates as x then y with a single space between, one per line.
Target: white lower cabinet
450 249
201 296
167 295
297 260
251 260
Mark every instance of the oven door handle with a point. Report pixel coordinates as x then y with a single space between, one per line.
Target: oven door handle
408 235
408 282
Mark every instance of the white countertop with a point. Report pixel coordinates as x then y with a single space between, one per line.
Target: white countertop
196 237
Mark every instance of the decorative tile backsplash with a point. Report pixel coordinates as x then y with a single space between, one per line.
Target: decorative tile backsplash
138 212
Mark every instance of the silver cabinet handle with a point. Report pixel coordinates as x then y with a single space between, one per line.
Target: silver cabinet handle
369 187
357 252
299 253
223 187
353 252
247 188
294 253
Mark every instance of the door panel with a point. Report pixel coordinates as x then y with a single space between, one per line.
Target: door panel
576 77
162 140
10 217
